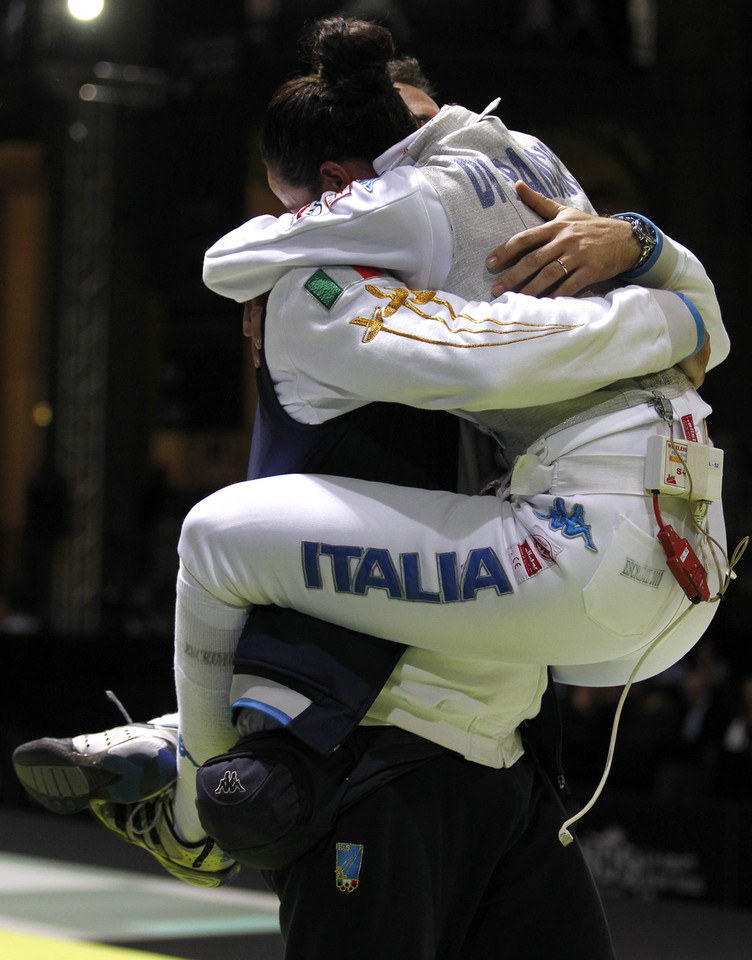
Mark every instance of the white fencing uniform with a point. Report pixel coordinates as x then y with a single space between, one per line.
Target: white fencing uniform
439 570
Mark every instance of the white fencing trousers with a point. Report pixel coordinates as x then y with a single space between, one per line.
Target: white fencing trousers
577 581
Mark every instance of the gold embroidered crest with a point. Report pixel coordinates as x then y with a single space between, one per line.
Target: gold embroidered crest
487 331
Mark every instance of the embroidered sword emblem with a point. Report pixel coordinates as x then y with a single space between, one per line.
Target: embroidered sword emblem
487 331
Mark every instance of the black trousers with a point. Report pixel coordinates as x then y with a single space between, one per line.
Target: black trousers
449 861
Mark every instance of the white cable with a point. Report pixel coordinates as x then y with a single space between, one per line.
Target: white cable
565 837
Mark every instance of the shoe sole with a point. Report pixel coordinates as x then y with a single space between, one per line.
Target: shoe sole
64 781
196 878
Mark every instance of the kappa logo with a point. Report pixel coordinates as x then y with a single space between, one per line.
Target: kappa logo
571 524
347 869
230 783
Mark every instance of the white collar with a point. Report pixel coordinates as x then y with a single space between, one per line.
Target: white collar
392 154
390 157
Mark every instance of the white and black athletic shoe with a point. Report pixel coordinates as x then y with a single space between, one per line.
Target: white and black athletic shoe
125 764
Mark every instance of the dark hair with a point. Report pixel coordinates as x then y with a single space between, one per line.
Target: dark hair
349 109
408 70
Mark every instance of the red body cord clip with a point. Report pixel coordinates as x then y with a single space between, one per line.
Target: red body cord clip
681 560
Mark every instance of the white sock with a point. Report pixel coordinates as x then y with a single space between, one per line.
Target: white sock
206 635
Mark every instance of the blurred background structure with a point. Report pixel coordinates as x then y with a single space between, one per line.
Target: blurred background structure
128 144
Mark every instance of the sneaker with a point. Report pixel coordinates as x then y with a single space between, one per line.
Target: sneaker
150 825
125 765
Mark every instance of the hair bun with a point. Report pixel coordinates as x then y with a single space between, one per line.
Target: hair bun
351 55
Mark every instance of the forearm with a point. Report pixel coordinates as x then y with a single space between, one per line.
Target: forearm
573 251
383 342
674 267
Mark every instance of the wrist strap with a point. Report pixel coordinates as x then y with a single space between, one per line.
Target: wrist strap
644 232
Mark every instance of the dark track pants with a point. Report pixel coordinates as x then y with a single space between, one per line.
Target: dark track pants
450 861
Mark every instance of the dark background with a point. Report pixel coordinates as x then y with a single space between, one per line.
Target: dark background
648 103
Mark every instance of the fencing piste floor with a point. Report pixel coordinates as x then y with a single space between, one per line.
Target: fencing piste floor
70 891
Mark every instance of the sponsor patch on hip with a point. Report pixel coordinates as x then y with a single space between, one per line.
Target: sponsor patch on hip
535 553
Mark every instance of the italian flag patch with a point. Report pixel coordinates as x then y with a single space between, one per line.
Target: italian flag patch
328 285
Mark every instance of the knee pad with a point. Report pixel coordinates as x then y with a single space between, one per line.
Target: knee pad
270 798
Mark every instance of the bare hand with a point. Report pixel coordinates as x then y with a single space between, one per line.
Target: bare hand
695 366
569 253
253 312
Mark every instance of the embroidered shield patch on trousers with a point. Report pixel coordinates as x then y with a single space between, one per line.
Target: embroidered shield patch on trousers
347 871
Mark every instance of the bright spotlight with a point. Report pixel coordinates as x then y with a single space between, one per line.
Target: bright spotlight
85 9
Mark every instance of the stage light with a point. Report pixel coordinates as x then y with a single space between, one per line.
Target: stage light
85 9
41 413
